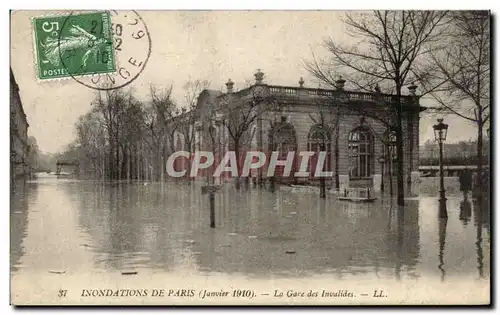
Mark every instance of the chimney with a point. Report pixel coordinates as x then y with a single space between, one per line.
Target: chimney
229 85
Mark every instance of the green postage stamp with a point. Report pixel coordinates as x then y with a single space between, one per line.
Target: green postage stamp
74 45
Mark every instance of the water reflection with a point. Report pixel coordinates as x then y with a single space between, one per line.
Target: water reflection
443 222
133 225
165 228
481 220
21 193
465 211
287 236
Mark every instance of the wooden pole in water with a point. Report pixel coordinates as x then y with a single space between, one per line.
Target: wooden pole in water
212 209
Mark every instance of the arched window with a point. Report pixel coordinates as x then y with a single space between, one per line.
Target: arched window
360 145
318 135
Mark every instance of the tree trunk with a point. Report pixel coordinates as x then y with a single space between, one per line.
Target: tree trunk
129 164
189 165
337 180
103 165
261 145
400 162
162 168
237 153
144 165
158 171
410 148
117 162
124 163
322 183
272 180
137 175
137 163
110 162
479 157
391 192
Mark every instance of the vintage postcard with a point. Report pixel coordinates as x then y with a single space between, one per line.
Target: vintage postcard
250 157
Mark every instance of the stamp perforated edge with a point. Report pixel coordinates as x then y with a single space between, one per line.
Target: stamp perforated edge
35 54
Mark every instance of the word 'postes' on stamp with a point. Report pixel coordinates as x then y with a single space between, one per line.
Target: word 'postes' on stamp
74 45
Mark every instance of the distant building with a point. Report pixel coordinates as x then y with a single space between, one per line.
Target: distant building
460 153
298 118
19 146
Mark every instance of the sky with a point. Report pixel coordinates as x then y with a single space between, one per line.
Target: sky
192 45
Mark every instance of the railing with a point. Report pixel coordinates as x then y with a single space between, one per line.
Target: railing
298 92
287 91
282 90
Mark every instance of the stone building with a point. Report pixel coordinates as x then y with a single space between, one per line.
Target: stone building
19 147
350 126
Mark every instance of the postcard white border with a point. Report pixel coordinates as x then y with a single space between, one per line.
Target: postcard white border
191 4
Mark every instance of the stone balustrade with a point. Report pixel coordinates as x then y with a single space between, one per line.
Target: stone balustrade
297 92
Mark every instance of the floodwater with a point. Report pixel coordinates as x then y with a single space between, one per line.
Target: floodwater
62 224
84 227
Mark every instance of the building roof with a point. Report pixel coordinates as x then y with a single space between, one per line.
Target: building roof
207 96
212 93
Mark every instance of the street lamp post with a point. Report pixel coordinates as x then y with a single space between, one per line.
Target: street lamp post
440 132
381 160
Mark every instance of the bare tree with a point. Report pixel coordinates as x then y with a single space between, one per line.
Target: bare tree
33 155
460 81
108 136
123 138
241 111
163 108
321 134
389 49
192 91
189 115
110 104
331 108
90 135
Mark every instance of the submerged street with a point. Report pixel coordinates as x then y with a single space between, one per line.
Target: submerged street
84 227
